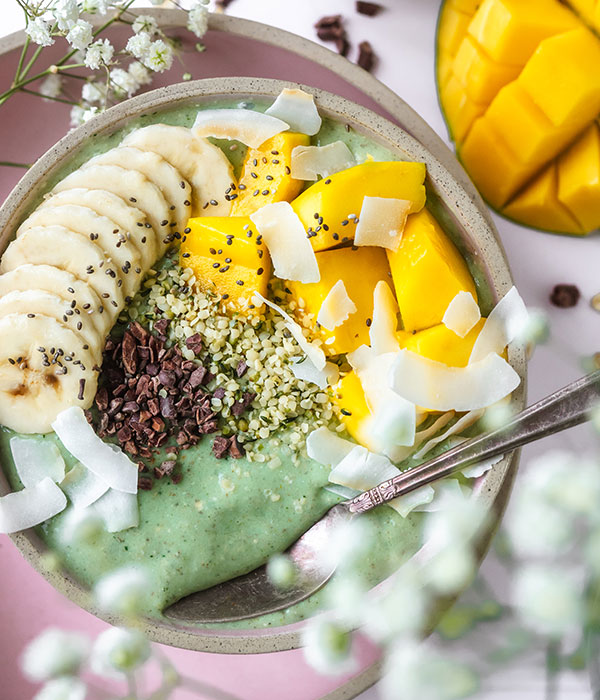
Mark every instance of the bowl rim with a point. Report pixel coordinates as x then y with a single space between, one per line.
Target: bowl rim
476 224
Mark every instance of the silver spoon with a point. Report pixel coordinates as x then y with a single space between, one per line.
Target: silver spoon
253 594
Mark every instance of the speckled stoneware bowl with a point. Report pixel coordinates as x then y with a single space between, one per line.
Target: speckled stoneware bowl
460 210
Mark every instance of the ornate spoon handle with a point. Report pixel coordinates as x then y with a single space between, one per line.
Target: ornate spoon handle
563 409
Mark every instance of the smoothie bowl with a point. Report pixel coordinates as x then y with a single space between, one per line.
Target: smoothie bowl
204 289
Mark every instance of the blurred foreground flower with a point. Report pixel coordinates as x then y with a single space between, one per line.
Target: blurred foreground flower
123 592
54 653
119 651
65 688
328 646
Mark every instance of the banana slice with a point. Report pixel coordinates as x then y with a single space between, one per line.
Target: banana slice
35 301
56 245
134 188
204 165
44 369
59 282
175 188
127 217
103 231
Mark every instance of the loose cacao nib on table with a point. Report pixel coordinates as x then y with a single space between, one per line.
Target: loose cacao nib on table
565 295
366 56
370 9
331 28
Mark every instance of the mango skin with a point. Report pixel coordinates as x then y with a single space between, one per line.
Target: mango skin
428 272
360 269
283 187
210 242
443 345
338 199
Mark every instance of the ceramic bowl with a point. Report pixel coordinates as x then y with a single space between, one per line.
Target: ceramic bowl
461 212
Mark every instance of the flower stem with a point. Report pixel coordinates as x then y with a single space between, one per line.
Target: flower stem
9 164
48 97
22 60
552 669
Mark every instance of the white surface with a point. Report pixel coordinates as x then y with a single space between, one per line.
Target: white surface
403 38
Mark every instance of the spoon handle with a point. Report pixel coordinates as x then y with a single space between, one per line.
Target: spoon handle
563 409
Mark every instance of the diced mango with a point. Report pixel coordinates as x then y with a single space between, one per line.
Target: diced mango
350 397
467 6
444 66
443 345
453 25
563 78
481 77
585 8
227 257
538 205
596 22
491 165
509 31
266 174
532 138
460 111
360 270
428 272
579 178
330 208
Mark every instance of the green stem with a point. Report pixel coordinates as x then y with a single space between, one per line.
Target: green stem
32 60
552 669
9 164
48 97
22 60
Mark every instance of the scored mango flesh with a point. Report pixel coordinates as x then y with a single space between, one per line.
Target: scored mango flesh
519 85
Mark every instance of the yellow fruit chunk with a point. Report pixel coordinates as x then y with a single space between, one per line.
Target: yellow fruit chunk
532 137
227 257
585 8
452 27
273 183
428 272
538 205
459 110
579 178
563 78
491 165
330 208
443 345
509 31
360 270
481 76
467 6
350 397
444 67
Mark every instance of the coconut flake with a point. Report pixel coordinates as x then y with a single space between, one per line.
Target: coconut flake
336 308
381 222
82 486
284 235
310 162
462 314
461 424
31 506
326 447
118 510
245 125
36 459
437 387
106 461
443 491
297 109
384 323
506 320
305 371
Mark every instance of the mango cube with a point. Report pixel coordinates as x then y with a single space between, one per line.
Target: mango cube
585 8
330 208
460 111
443 345
563 78
360 269
538 205
453 25
350 397
509 31
228 258
428 272
266 174
579 178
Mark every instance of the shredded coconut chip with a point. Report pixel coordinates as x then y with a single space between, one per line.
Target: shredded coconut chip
384 324
381 222
31 506
245 125
310 162
336 308
36 459
297 108
462 314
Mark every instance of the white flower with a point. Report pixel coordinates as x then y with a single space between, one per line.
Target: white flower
139 44
93 92
328 646
548 599
145 23
451 569
458 521
81 526
119 650
52 85
535 330
123 592
65 13
39 32
93 7
346 597
159 56
122 82
347 544
536 527
281 571
54 653
139 73
497 415
80 35
198 19
65 688
100 52
414 670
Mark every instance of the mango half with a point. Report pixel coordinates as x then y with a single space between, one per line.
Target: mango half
519 86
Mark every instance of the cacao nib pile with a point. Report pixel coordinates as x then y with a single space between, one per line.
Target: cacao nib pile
151 395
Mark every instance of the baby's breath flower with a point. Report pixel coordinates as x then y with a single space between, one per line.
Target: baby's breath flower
139 73
54 653
123 592
94 7
99 53
39 32
65 688
65 13
145 23
123 84
348 543
451 569
93 92
119 650
281 571
198 19
81 526
159 57
139 44
328 646
52 85
80 35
